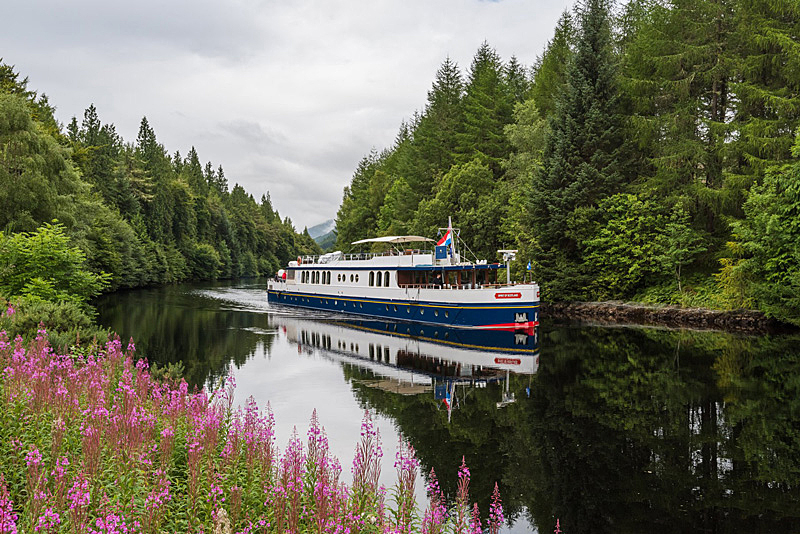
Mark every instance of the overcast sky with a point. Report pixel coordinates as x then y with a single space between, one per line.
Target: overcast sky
286 96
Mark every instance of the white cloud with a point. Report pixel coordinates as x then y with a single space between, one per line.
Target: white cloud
286 96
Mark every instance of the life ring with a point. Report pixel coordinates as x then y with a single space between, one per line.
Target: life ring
299 260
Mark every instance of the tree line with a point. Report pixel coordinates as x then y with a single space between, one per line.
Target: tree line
84 211
650 153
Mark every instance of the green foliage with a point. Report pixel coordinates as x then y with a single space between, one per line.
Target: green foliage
43 265
679 244
67 323
550 70
768 244
583 161
131 210
625 249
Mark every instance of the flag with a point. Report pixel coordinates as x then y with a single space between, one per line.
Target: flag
447 238
529 265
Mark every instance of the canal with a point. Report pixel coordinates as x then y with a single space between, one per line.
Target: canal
605 429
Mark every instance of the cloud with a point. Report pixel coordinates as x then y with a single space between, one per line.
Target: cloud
286 96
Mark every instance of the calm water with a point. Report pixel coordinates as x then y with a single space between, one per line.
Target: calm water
622 430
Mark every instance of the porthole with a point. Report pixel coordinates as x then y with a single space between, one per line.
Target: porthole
395 308
447 314
436 313
387 307
335 302
351 277
356 278
422 311
408 310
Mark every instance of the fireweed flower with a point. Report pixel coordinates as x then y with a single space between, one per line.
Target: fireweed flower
116 433
48 521
8 519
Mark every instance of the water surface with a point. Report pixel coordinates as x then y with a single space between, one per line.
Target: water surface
606 429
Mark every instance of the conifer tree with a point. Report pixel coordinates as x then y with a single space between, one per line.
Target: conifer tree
487 109
434 138
678 72
550 70
767 89
582 161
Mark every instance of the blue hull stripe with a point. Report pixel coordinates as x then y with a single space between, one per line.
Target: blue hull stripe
428 312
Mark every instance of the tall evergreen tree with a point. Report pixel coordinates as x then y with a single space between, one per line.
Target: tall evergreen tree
678 72
550 70
767 88
487 109
434 138
582 163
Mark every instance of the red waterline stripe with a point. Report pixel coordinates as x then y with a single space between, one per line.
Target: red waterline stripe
510 326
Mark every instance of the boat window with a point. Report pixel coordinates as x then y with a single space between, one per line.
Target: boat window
356 278
378 280
351 277
371 279
386 279
329 277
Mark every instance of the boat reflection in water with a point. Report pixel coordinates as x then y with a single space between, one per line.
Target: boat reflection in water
412 358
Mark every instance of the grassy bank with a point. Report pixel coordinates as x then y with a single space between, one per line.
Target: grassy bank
91 442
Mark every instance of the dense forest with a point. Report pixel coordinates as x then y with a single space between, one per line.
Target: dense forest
83 211
649 154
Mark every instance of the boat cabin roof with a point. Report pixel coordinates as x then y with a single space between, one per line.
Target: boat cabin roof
393 239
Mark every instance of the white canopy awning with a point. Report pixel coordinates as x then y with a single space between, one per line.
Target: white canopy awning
393 239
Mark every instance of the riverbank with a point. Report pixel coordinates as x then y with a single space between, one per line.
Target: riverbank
624 313
91 442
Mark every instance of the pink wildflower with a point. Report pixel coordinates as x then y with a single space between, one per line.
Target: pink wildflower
8 519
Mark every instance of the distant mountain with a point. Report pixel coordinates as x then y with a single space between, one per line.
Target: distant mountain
322 228
327 241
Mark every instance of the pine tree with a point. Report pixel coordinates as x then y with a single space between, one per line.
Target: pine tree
582 160
193 172
767 88
516 80
550 70
487 109
678 72
434 138
221 182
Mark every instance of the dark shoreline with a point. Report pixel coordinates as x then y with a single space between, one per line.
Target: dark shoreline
613 312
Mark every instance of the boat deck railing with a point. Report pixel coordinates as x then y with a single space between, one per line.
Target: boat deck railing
322 259
455 286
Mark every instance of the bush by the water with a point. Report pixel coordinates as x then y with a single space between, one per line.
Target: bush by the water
90 442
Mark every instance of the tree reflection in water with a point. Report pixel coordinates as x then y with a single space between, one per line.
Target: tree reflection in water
623 430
